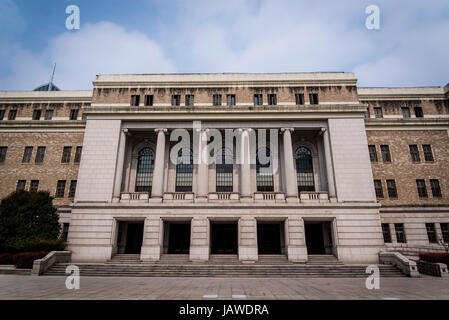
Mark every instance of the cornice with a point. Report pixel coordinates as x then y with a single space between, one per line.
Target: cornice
42 126
407 124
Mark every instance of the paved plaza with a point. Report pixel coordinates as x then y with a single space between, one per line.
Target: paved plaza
45 287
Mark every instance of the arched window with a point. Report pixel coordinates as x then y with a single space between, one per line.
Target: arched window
145 167
304 169
264 171
184 171
224 168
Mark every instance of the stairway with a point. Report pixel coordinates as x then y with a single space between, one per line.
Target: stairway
323 260
275 266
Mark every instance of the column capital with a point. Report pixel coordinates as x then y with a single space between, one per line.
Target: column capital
287 129
164 130
126 132
202 129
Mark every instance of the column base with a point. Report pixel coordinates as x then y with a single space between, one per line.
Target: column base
246 199
292 199
201 199
155 200
115 199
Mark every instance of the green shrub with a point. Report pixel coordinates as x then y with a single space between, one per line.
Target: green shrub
36 245
6 258
26 259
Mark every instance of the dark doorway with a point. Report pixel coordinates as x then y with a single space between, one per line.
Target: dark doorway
314 238
178 238
224 238
134 238
269 238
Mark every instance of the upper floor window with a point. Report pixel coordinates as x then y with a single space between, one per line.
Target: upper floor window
48 114
175 100
299 98
386 232
385 150
421 186
414 153
72 189
272 99
190 100
224 171
40 154
428 155
304 169
258 99
60 189
135 100
12 114
445 231
435 186
378 112
184 171
21 184
431 232
400 233
378 188
145 168
74 114
78 152
34 185
405 112
372 153
216 99
37 114
418 112
66 154
231 99
149 100
27 155
3 151
391 188
313 97
2 114
264 171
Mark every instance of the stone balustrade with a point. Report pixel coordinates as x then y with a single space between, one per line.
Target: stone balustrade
314 196
134 197
269 196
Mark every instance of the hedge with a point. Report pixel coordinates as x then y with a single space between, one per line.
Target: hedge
33 245
26 259
435 257
6 258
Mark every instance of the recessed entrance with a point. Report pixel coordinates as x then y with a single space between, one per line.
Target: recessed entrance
318 237
269 237
177 237
130 237
224 237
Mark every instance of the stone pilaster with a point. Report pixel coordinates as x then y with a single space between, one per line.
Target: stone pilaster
296 243
248 251
245 167
203 167
151 247
199 240
120 166
329 166
289 169
157 190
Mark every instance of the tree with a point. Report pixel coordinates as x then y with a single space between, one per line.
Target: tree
27 217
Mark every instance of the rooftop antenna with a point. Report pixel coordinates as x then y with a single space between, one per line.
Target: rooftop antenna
50 84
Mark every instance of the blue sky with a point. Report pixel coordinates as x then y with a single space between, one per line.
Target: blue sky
162 36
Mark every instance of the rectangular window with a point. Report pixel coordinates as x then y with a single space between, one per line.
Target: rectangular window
313 97
372 153
436 190
175 100
40 154
78 152
231 99
378 112
378 188
189 100
421 186
385 150
27 155
428 155
392 191
135 100
2 114
400 233
386 232
367 115
72 189
60 189
74 114
149 100
258 99
418 112
21 185
37 114
65 231
445 231
48 114
216 100
272 99
12 114
299 98
414 153
66 154
3 151
431 232
34 185
405 112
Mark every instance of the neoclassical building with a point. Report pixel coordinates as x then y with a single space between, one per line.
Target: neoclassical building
292 164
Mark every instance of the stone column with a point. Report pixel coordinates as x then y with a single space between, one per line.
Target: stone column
248 252
329 166
151 247
289 169
199 239
245 167
296 243
157 190
120 165
203 167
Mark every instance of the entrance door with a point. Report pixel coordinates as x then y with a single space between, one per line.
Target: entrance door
314 238
269 238
134 238
179 238
224 238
